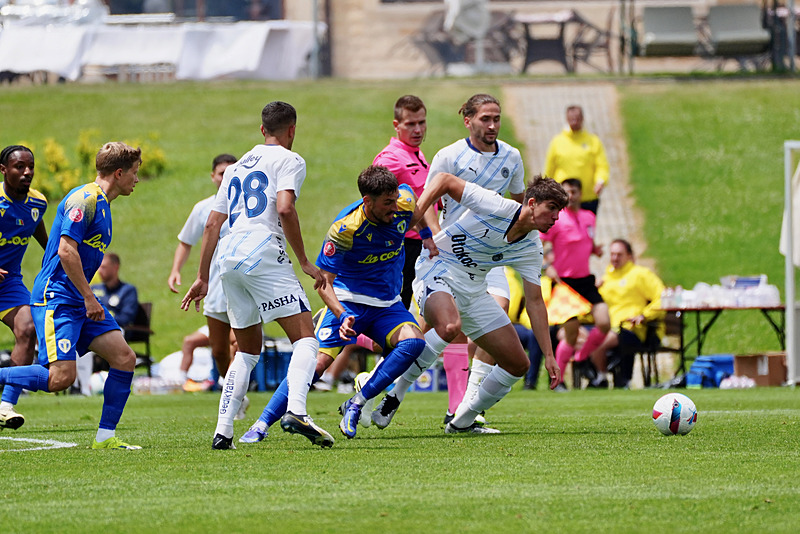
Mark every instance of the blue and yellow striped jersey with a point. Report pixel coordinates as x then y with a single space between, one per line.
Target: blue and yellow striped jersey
367 258
18 221
85 216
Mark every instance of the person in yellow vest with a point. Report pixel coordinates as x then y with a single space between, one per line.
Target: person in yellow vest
576 153
633 295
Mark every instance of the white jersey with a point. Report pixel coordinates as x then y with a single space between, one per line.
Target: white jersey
500 171
249 190
476 243
191 234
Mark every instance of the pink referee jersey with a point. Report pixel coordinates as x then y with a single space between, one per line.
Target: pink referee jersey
408 164
573 241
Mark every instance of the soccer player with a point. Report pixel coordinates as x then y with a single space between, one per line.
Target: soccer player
215 307
450 287
573 245
483 159
362 261
257 198
69 319
21 217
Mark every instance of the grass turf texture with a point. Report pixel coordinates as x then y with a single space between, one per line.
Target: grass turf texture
584 461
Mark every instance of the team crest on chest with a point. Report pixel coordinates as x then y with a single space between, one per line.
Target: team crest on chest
35 214
497 257
505 172
401 227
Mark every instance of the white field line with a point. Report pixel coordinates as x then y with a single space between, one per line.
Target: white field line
45 444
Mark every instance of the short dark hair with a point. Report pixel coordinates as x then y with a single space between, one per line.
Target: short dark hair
222 158
410 102
470 107
376 180
113 257
574 182
575 107
546 189
10 149
625 243
116 155
277 116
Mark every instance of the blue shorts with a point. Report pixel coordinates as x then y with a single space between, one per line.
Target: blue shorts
378 324
13 294
64 332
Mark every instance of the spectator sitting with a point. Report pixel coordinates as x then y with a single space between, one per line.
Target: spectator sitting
119 297
633 296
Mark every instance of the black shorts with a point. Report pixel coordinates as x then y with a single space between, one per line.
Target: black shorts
585 287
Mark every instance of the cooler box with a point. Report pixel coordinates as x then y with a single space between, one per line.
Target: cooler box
767 369
273 364
708 371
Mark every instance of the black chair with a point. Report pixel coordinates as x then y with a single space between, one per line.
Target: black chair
139 333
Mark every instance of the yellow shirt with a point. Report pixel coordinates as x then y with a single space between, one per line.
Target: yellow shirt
629 291
577 155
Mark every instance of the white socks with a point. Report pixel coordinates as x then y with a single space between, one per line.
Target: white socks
494 387
478 371
301 373
434 346
233 390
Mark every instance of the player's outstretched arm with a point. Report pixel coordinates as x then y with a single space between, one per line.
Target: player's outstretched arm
441 184
181 255
537 312
291 229
199 288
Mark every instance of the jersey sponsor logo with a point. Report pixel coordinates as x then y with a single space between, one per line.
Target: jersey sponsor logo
2 212
460 252
505 172
342 228
64 345
402 226
324 333
250 161
96 241
278 302
372 258
497 257
35 214
16 240
329 249
75 215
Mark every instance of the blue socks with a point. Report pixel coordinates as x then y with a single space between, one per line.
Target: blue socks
11 394
115 395
395 364
30 377
276 406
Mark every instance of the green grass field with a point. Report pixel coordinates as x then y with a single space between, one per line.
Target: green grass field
587 461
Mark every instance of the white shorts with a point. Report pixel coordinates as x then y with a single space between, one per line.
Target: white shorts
259 282
498 283
215 305
480 313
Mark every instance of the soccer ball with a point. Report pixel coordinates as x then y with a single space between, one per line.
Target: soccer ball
97 382
674 414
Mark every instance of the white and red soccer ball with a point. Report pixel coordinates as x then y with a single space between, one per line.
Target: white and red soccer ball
674 413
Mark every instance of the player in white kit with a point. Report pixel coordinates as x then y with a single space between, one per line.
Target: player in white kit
450 287
257 197
485 160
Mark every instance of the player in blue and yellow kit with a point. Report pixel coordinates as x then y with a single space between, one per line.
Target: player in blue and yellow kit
21 217
68 317
362 262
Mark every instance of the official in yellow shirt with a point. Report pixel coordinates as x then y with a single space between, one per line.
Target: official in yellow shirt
576 153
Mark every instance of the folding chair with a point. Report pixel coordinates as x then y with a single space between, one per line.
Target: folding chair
139 332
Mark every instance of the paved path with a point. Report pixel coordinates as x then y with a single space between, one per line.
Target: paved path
539 110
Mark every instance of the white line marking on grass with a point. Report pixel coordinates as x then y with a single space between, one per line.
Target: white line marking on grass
46 444
776 411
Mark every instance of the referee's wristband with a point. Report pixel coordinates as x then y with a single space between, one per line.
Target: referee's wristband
425 233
